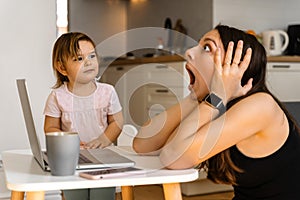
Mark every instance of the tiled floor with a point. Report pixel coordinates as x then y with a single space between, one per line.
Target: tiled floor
155 192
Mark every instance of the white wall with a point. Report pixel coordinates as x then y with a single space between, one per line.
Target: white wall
196 15
258 15
99 19
28 32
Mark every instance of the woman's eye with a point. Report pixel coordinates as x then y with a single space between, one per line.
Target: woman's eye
206 48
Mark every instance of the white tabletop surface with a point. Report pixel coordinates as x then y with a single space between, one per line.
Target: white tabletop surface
23 173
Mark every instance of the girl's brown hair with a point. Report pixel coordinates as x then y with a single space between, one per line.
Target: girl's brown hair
66 47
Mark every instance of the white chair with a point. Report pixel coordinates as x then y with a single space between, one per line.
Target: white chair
126 137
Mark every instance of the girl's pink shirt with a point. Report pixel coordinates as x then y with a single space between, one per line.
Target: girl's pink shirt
86 115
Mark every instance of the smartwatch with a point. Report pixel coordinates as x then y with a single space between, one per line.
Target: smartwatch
216 102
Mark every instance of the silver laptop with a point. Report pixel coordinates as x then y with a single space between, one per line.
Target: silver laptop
88 159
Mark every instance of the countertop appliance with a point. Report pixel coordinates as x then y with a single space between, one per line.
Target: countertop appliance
294 37
275 42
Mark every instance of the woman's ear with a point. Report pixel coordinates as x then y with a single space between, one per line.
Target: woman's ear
61 68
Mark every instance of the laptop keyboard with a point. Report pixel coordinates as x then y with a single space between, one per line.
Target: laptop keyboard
83 159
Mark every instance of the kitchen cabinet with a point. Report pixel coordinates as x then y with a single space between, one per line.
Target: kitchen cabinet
147 89
168 85
113 75
283 80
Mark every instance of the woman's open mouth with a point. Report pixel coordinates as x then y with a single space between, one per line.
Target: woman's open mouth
191 74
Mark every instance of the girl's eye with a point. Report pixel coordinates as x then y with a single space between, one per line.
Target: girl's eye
91 56
79 58
206 48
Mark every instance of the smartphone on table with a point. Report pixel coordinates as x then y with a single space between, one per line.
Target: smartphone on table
110 172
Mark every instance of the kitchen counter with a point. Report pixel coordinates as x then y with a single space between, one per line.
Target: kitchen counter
177 58
159 59
284 59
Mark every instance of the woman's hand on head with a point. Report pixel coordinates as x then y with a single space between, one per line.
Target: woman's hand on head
226 81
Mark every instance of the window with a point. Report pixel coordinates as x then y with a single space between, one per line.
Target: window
61 16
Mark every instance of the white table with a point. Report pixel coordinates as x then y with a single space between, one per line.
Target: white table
23 174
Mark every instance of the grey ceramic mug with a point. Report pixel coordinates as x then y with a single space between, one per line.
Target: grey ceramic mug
63 152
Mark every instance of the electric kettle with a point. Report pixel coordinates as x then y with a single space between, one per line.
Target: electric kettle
275 42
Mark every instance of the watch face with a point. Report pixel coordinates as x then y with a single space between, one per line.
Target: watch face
213 100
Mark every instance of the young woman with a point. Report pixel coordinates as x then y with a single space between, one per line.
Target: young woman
79 103
230 124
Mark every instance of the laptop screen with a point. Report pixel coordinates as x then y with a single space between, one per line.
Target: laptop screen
33 139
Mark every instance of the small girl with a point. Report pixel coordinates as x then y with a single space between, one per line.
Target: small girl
79 103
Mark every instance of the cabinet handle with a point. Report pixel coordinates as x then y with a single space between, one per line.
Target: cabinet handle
161 66
281 66
120 68
162 91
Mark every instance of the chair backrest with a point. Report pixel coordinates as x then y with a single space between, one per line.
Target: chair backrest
126 137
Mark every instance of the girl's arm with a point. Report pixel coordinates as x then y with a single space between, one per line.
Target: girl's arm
52 124
114 128
111 133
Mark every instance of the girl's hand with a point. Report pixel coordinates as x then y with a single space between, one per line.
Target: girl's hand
101 142
82 144
226 81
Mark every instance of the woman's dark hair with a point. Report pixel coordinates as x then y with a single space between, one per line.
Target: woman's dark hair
220 167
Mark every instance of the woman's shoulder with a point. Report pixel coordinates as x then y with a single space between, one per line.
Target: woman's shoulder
270 123
260 98
262 105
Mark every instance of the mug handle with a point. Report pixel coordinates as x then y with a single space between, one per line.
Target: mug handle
286 40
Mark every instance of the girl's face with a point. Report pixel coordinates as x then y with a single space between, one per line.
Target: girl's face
200 63
84 68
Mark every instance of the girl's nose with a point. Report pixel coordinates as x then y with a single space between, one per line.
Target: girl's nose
87 62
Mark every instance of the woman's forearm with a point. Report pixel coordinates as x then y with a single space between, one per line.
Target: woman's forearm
156 131
182 142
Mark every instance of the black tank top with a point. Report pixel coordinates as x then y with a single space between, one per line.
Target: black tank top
275 177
